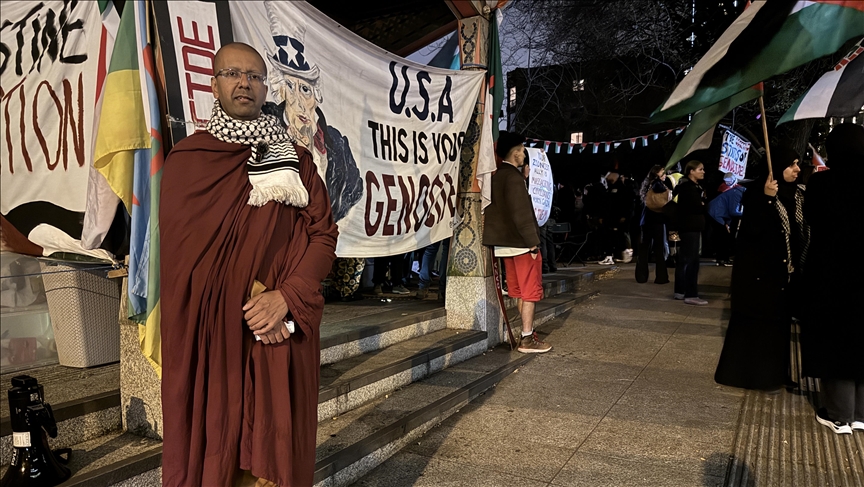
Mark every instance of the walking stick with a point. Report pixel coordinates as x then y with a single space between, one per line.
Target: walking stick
497 276
765 135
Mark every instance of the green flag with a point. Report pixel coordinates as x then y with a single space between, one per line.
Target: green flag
699 133
494 76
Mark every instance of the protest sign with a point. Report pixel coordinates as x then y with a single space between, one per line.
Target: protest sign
733 154
49 63
540 184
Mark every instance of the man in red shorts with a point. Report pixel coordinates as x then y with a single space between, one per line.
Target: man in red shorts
511 227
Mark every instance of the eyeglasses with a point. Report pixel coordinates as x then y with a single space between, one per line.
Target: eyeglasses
233 75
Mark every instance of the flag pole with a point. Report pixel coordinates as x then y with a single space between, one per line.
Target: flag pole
765 135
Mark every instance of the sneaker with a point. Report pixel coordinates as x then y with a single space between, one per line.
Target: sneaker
422 292
857 425
837 427
531 344
400 289
607 261
378 291
695 301
627 256
678 296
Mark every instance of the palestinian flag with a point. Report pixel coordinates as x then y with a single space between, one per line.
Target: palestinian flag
700 132
768 38
838 93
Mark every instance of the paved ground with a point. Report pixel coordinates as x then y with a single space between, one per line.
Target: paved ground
626 398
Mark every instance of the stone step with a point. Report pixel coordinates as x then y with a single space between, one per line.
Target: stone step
356 328
564 281
86 404
114 458
356 335
548 309
353 443
352 382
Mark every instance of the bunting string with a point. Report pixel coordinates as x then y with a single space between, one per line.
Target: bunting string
548 145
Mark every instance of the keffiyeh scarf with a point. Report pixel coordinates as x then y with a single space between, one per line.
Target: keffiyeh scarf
802 230
274 168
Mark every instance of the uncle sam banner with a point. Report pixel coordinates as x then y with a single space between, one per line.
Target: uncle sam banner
385 133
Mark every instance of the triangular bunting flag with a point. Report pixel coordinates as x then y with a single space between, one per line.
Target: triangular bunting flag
656 136
596 146
545 146
557 147
644 141
569 148
633 143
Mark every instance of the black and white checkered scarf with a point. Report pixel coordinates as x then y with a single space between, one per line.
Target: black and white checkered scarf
801 229
274 168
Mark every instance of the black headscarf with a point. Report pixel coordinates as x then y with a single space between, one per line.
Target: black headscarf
782 157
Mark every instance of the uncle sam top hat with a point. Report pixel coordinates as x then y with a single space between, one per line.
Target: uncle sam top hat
289 54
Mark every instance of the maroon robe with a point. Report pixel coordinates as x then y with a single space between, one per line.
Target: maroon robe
229 402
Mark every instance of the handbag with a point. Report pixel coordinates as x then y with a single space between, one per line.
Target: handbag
656 201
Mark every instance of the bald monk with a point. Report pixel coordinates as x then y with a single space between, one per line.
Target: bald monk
241 203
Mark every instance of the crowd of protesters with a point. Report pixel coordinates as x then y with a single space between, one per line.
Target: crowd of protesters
780 232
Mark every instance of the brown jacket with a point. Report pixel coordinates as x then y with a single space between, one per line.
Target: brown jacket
510 219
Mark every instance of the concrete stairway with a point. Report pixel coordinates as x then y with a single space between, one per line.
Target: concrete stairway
389 372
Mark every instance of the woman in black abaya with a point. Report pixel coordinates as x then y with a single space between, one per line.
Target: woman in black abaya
771 242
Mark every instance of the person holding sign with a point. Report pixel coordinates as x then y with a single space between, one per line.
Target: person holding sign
247 236
510 226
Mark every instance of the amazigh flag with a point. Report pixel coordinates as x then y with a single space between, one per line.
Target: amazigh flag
838 93
144 241
699 134
767 39
129 155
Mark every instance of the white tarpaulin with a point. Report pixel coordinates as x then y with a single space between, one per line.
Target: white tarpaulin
385 132
49 56
733 154
540 184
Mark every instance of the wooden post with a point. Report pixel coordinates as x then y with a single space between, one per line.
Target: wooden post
765 135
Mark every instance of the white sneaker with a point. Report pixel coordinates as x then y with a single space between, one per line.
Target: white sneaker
627 256
857 425
607 261
837 427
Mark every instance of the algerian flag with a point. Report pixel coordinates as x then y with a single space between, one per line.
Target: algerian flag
838 93
767 39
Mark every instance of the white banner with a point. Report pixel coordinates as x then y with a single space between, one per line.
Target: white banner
733 154
385 132
540 184
49 56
